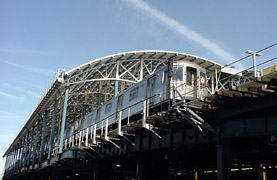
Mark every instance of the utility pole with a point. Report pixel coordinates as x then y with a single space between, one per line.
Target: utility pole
254 54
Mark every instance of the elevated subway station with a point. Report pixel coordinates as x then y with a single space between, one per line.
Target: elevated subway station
224 128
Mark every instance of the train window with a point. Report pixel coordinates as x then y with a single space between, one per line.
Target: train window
120 101
178 73
202 79
190 79
89 119
133 93
98 114
108 108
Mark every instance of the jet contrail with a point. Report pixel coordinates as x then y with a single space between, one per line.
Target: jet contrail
181 29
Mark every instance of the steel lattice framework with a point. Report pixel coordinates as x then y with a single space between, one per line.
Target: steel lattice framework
87 87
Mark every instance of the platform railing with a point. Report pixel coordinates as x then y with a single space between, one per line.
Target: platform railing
90 135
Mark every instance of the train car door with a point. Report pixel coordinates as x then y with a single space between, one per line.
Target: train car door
191 82
151 90
178 79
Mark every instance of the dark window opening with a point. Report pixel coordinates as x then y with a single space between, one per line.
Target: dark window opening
191 74
134 93
202 79
108 108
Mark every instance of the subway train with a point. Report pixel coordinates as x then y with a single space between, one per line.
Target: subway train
187 78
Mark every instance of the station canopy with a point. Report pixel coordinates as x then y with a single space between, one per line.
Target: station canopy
95 82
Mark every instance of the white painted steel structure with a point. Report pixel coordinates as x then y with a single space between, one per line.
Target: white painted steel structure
79 91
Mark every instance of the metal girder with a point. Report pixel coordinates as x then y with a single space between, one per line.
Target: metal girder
86 82
43 136
52 128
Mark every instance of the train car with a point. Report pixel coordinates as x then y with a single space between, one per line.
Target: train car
188 78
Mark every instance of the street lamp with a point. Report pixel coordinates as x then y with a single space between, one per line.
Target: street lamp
254 54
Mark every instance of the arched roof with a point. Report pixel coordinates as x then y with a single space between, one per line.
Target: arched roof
148 54
99 77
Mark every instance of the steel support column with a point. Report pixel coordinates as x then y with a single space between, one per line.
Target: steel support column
149 163
12 162
9 165
115 88
6 164
36 144
16 156
99 99
84 110
19 155
116 82
52 129
224 158
63 119
30 148
141 70
22 153
43 137
9 162
26 149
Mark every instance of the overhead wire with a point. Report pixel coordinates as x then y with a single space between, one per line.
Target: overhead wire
272 45
249 68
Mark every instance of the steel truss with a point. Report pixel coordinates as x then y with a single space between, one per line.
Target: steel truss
73 94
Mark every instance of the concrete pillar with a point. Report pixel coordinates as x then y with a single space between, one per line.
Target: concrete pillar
63 119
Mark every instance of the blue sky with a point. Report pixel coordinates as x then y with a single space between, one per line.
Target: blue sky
38 37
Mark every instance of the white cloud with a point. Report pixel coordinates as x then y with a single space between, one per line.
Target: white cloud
37 70
19 50
10 117
22 90
32 85
12 97
8 95
181 29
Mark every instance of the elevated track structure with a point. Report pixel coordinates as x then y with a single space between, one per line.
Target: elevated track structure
150 115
